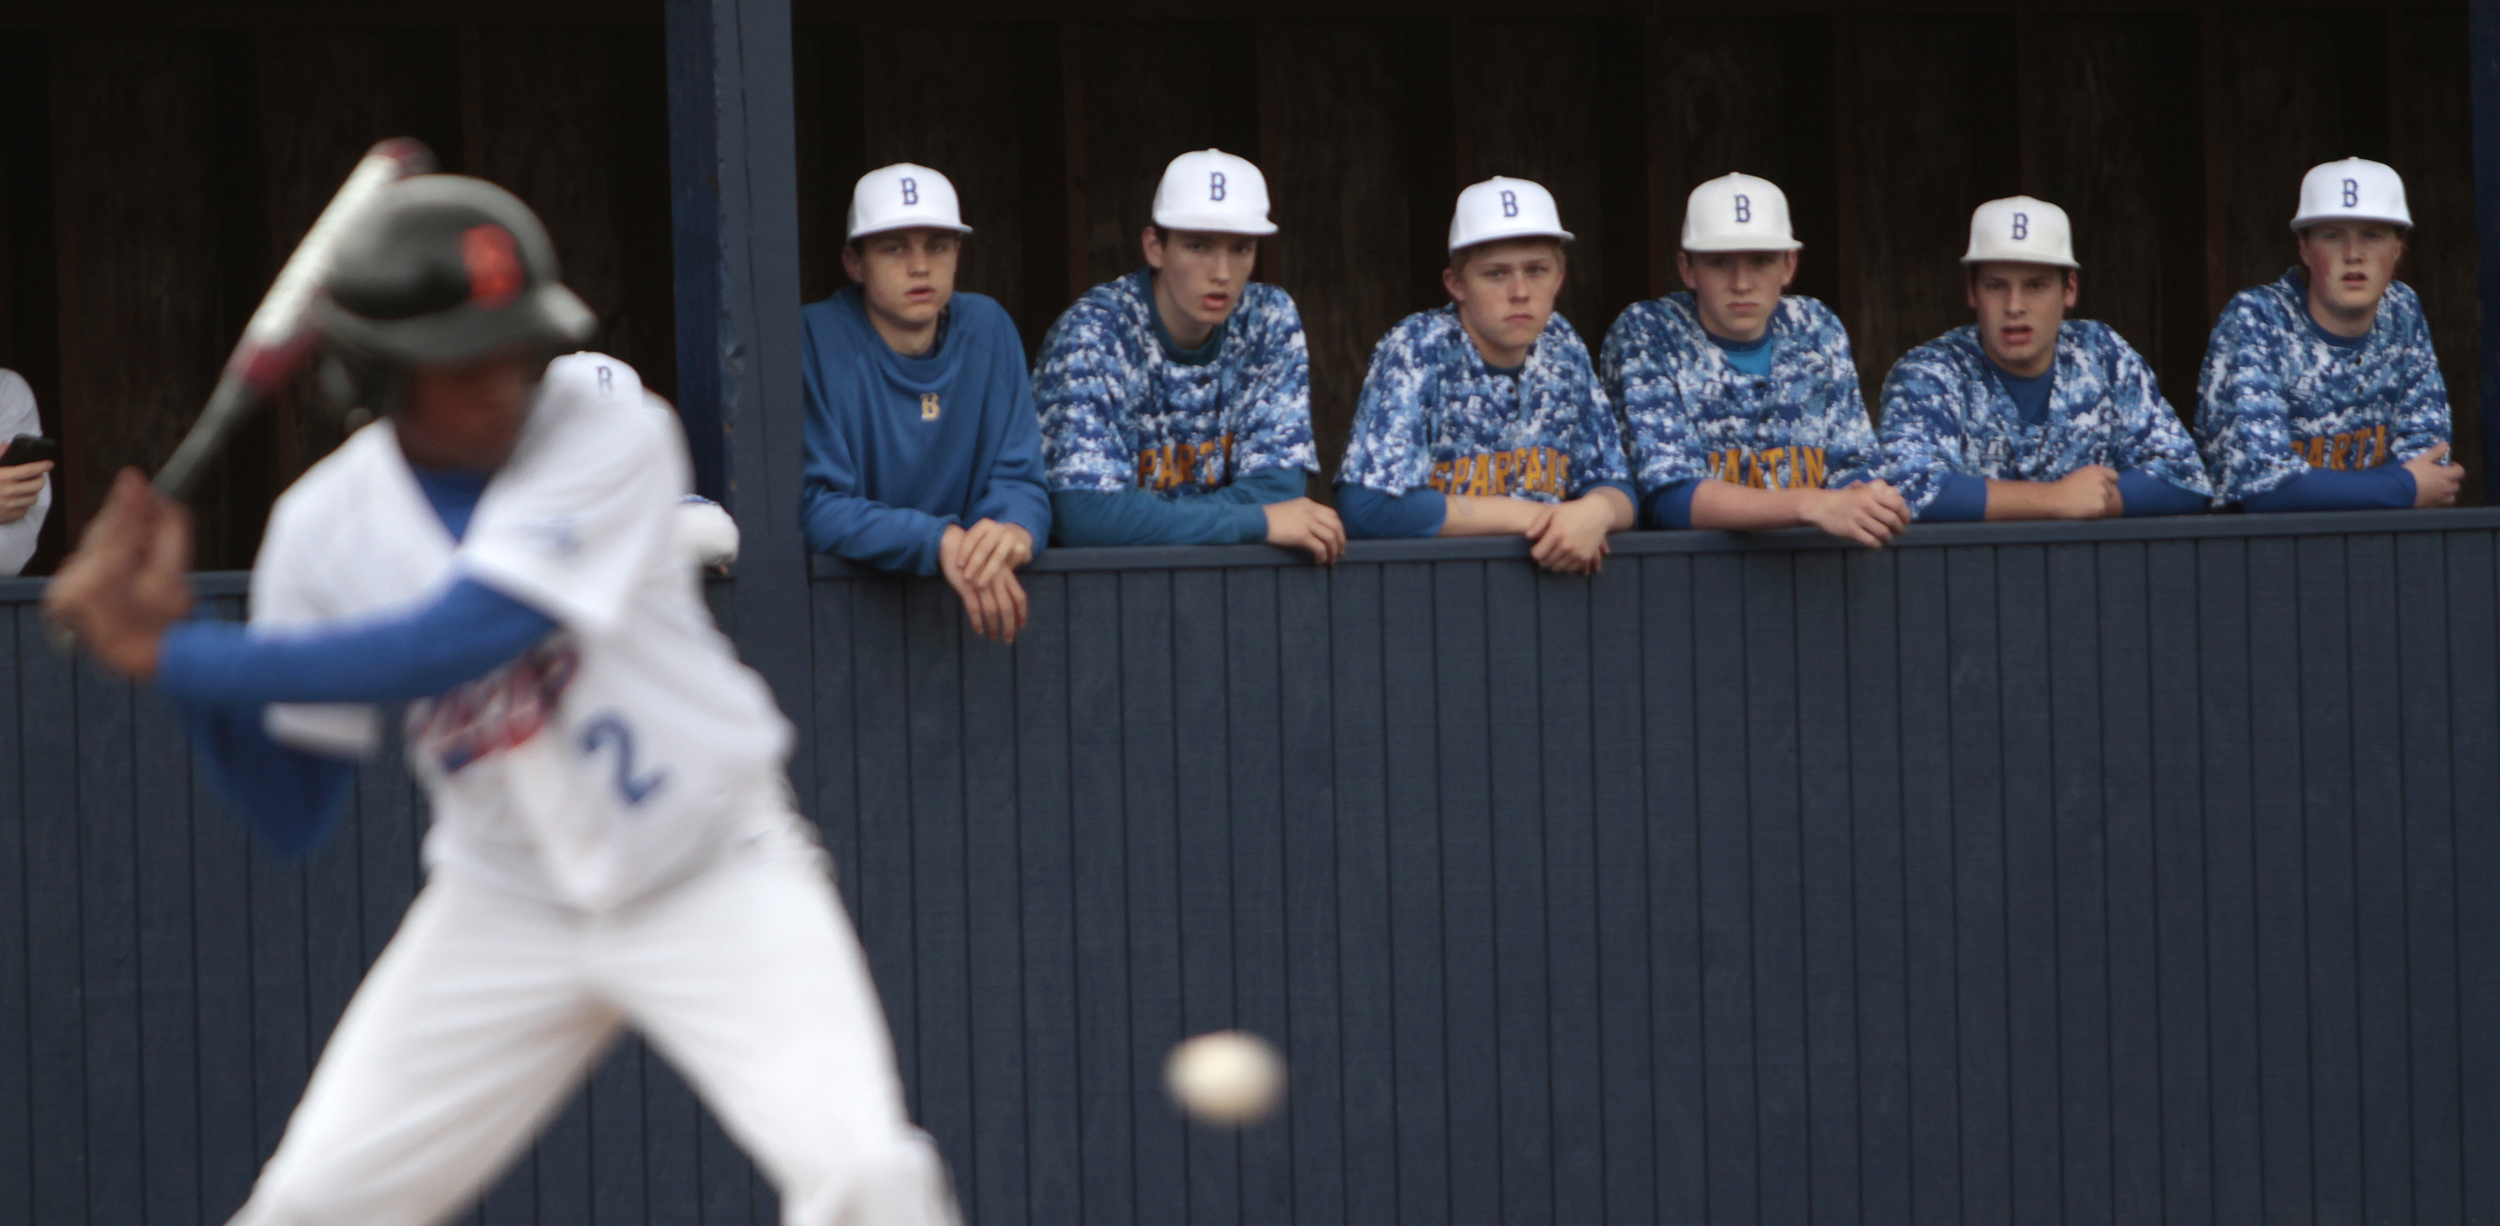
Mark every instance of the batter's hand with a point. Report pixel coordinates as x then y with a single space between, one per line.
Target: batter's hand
130 578
1870 512
1572 539
20 485
991 548
1300 523
2434 484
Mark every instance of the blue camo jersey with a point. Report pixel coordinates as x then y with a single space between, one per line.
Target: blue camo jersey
2277 400
1433 414
1688 412
1945 412
1118 414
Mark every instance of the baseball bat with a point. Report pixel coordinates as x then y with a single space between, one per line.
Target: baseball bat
280 332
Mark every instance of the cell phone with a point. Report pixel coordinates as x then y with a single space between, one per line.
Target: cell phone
30 449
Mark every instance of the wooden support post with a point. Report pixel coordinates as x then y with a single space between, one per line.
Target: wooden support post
733 194
2484 36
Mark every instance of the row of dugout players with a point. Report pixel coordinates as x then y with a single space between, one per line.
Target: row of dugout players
1172 406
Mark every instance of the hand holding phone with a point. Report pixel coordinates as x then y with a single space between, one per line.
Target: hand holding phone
30 449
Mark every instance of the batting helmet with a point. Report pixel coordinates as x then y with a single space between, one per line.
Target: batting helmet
448 268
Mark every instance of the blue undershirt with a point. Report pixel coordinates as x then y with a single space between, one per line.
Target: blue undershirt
1961 497
1751 357
223 677
1233 515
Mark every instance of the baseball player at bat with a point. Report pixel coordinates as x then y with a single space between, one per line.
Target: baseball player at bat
1740 401
613 842
1484 417
1176 401
923 451
2320 391
2027 414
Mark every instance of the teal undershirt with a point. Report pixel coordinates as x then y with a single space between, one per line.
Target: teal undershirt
1751 357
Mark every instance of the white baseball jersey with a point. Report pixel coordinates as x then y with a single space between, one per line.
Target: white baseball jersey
613 755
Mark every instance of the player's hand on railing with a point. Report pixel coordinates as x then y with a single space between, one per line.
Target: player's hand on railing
20 485
2435 484
129 579
1300 523
1869 512
990 547
2089 492
996 608
1571 538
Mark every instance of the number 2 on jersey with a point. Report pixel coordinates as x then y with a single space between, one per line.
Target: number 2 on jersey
609 728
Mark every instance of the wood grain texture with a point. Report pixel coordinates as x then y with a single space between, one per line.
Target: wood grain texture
2429 143
948 96
1145 93
1751 95
1337 99
1927 140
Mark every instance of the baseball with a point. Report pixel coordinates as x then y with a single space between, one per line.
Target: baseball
1227 1078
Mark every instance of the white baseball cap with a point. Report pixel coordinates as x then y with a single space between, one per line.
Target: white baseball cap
1214 191
902 196
2023 230
2355 189
1501 208
1738 213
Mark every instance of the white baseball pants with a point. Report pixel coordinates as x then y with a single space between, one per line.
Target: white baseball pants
487 1011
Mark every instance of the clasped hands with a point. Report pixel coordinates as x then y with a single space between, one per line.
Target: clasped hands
980 563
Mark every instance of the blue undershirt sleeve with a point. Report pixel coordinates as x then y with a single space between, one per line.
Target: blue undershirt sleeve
1138 517
1372 515
1671 505
291 797
2142 493
2386 487
462 635
1960 497
1263 487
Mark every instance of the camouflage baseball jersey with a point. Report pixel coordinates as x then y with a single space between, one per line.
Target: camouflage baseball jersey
1688 412
1434 414
1945 412
1119 414
2276 399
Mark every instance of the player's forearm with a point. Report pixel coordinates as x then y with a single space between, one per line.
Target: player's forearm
1479 515
1742 508
2140 493
2386 487
1264 486
1372 515
1614 500
873 534
2022 500
1137 517
466 633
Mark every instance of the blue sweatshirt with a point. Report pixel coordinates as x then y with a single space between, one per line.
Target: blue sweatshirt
899 447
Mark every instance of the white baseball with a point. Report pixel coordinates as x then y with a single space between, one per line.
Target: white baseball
1228 1078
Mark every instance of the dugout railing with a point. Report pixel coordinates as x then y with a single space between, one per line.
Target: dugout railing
2131 871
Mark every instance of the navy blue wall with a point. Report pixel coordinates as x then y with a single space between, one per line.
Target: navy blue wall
2084 873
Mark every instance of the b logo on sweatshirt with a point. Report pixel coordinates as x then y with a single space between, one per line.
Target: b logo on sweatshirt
928 406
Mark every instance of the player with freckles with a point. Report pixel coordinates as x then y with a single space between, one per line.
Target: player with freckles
1740 401
2027 414
1176 401
2321 391
1484 417
923 451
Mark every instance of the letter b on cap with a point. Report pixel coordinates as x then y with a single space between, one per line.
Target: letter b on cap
1744 209
2352 193
1510 204
1215 185
911 191
2022 225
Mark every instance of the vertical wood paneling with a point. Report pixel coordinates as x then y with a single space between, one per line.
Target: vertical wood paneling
955 112
1145 96
571 121
1417 791
17 1119
2117 157
2472 589
2429 143
1528 101
2318 77
1338 96
1746 94
1723 886
1940 142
